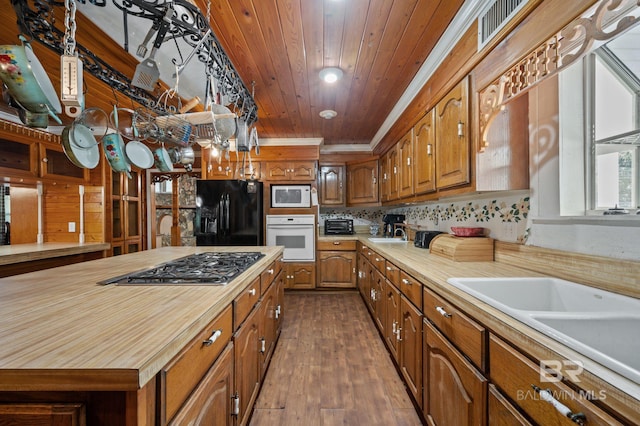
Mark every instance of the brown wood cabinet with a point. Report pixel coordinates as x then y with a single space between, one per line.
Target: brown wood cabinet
179 378
331 185
362 183
336 264
385 177
394 174
410 353
501 412
392 319
289 170
271 313
453 155
455 393
300 275
515 375
378 291
405 160
43 414
212 401
424 148
247 366
231 170
127 222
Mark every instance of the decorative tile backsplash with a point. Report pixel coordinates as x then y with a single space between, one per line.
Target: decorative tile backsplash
504 215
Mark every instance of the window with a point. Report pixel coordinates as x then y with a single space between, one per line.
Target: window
613 97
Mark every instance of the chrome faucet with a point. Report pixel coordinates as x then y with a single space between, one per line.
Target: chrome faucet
403 233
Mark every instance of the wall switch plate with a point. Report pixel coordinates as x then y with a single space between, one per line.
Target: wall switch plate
510 231
72 227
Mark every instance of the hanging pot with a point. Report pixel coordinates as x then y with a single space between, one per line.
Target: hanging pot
27 80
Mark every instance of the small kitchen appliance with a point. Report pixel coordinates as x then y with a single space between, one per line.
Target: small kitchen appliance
290 196
423 238
390 220
338 227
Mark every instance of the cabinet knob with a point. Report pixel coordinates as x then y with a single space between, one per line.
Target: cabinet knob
252 292
271 271
406 281
263 345
336 243
213 338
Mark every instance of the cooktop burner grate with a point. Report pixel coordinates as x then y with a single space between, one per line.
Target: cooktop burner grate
210 268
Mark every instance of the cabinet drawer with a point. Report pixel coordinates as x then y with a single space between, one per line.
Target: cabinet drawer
185 371
244 303
501 412
411 288
462 331
346 245
516 375
378 262
365 251
267 276
392 272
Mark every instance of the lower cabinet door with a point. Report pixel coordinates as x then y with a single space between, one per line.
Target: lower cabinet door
211 402
411 347
455 393
247 365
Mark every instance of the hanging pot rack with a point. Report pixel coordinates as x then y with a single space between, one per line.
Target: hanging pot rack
187 23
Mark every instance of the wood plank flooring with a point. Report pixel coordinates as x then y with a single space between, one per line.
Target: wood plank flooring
331 368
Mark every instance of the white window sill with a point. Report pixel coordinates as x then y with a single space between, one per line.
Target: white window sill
629 220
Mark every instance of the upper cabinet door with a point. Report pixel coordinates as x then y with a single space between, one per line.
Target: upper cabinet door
362 185
331 185
424 148
405 157
452 137
394 173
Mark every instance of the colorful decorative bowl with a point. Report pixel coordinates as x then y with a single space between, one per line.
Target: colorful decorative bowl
464 231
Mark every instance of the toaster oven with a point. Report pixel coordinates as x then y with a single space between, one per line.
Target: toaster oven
338 227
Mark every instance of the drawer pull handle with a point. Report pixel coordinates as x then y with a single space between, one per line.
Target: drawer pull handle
336 243
388 268
406 281
263 345
399 334
547 396
211 340
378 259
442 312
252 292
271 271
277 313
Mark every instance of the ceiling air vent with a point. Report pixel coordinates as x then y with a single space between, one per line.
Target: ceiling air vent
494 16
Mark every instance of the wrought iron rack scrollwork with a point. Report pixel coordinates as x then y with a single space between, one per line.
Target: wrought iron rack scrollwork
187 23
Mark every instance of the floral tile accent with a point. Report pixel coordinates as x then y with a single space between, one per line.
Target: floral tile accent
491 213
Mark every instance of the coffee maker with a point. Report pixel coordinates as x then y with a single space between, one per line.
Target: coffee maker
390 220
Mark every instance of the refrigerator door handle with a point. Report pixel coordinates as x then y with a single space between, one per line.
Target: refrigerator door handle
226 208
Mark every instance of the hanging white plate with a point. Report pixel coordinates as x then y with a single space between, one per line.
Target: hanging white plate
139 154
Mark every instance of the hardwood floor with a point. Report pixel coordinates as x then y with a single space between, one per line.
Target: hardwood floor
331 368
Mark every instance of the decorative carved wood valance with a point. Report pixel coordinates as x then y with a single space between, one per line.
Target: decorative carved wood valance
29 132
607 19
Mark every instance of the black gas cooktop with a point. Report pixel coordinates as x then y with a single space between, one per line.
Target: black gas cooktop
210 268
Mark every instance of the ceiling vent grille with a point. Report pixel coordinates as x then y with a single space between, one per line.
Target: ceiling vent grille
495 16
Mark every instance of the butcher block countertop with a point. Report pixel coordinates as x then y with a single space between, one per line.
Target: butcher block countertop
434 270
17 253
60 330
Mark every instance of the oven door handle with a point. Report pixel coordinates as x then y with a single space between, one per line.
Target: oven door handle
289 226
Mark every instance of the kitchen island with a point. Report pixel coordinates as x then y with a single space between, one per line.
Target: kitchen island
64 337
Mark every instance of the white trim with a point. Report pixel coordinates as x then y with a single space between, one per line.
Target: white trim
351 148
290 141
467 15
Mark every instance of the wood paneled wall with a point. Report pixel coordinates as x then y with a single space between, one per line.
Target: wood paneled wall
61 205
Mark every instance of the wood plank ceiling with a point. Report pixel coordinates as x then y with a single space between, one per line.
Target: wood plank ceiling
282 45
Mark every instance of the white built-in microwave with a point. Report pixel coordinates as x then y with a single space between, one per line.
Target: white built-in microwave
291 196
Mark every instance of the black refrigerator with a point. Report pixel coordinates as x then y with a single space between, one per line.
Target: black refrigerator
229 213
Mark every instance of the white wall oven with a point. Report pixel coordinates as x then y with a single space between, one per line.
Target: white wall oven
296 232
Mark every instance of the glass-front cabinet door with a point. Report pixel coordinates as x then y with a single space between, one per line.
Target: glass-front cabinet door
126 209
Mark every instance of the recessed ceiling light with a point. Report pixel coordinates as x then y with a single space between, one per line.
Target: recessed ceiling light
331 75
328 114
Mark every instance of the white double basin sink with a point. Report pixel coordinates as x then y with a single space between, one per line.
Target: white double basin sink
601 325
